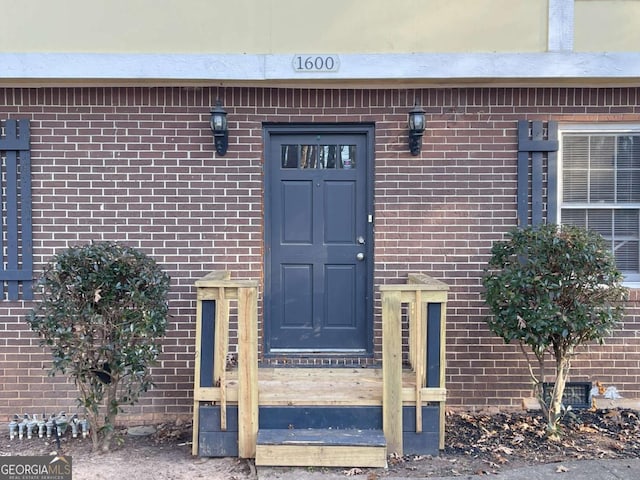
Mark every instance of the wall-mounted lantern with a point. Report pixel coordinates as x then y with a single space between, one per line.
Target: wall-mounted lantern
416 129
218 123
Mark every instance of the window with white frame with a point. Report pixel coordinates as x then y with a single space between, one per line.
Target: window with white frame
600 187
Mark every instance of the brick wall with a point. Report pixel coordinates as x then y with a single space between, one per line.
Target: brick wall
138 165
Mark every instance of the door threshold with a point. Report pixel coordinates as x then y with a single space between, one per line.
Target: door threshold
318 351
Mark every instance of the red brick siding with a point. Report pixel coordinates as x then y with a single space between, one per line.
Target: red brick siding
138 165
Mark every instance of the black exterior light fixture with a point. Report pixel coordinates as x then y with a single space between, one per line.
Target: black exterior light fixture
416 129
218 123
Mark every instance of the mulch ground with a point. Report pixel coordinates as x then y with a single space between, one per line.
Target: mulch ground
475 444
585 435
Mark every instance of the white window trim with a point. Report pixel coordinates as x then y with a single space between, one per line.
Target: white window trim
632 281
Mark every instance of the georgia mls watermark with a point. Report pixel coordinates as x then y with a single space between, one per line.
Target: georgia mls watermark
35 468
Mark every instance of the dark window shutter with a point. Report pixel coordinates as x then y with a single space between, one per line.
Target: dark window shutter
16 265
537 179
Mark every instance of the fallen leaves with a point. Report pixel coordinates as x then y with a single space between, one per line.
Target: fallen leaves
172 432
482 472
587 429
353 471
358 471
503 437
505 450
487 444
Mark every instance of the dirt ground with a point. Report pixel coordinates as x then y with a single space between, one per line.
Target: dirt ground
475 444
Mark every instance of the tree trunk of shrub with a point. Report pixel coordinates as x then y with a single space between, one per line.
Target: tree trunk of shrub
555 408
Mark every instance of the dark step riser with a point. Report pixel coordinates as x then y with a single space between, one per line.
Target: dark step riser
213 442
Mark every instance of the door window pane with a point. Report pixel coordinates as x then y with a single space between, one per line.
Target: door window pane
328 155
318 156
299 156
347 157
290 156
308 156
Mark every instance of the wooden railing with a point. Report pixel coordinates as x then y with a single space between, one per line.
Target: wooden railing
214 293
427 299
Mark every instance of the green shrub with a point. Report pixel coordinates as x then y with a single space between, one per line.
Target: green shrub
552 289
101 310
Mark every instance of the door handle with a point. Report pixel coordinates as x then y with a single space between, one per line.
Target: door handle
360 256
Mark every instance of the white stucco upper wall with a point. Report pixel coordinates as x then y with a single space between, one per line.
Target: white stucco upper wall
607 26
366 41
273 26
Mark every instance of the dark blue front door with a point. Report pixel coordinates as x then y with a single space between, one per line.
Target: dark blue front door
318 237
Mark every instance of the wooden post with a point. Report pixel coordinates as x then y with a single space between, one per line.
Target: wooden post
443 367
392 370
207 288
221 351
422 288
420 331
247 372
413 345
196 402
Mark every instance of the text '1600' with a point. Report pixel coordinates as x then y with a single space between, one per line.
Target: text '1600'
315 63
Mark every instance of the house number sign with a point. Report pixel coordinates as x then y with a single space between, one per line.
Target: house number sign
315 63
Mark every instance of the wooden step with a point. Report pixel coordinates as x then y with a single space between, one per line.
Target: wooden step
321 448
330 386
